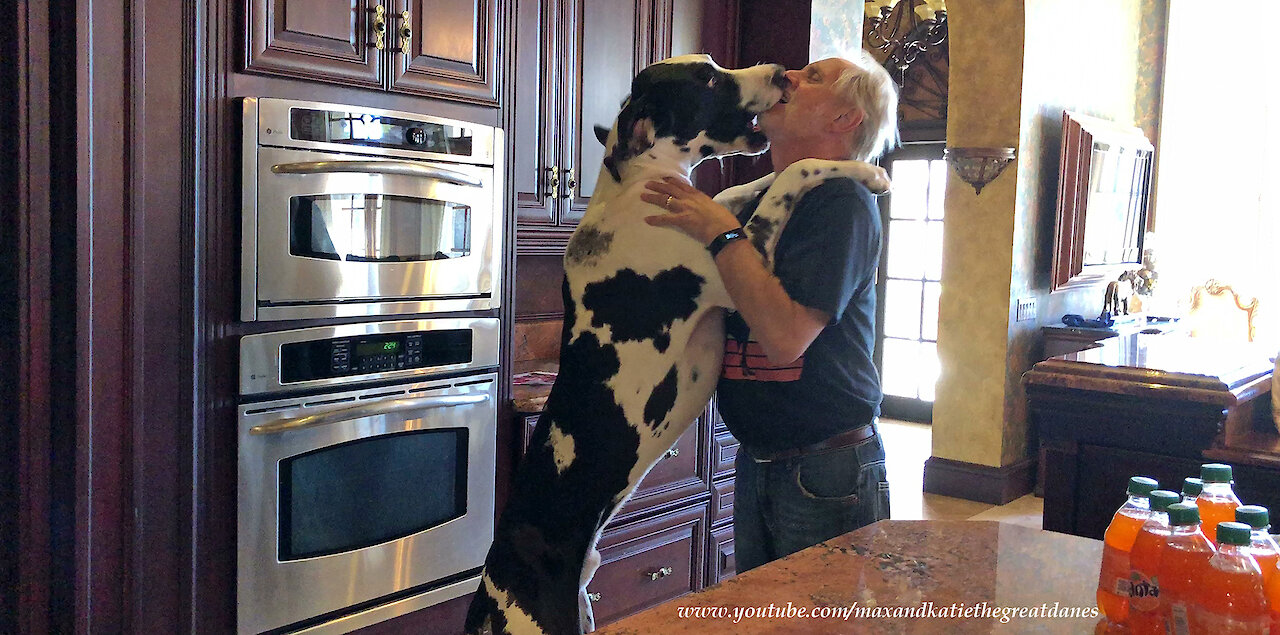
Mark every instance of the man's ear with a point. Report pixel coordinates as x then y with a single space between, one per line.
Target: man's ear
848 120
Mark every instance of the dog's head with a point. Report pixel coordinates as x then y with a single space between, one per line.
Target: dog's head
701 108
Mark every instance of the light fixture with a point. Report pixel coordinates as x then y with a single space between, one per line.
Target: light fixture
978 166
905 30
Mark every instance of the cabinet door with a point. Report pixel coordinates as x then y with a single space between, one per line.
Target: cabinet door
534 114
452 49
325 40
608 41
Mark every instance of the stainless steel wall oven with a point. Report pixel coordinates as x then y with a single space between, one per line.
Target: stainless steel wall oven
367 457
351 211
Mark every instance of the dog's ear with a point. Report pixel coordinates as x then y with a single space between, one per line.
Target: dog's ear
602 134
635 135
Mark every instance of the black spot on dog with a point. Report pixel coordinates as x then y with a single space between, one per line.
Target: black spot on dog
635 307
761 229
707 150
685 148
788 201
587 245
804 173
661 400
693 375
817 171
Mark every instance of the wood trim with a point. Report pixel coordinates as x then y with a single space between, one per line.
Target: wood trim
418 73
982 483
25 296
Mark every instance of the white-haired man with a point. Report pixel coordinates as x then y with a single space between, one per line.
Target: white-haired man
799 388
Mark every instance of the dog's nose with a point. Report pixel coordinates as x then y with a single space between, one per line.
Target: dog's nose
779 78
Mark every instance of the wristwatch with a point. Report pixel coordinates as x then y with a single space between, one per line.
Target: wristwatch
720 241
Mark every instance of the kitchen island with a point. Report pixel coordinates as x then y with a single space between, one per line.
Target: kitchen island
901 576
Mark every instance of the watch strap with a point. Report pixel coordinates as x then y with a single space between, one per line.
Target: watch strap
725 238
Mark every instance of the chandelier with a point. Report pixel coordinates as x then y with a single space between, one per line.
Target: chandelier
905 30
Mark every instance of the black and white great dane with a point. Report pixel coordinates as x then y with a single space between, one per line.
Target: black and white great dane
643 335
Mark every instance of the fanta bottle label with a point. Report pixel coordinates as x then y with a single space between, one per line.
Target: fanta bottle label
1144 592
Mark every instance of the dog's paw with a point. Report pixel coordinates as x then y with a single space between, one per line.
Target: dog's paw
877 180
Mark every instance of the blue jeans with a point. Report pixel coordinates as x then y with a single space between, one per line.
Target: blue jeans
781 507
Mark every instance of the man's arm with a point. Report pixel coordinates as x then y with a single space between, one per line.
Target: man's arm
782 326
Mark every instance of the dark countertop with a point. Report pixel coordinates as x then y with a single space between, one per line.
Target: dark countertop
530 399
898 565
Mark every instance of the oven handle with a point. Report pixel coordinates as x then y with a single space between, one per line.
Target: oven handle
402 168
366 410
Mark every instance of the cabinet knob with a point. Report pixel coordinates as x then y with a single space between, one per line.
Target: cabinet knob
661 573
553 182
569 183
406 31
379 27
594 597
670 454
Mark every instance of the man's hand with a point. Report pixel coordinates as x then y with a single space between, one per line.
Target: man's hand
689 210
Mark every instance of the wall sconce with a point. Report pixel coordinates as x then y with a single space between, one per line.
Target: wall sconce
905 30
978 166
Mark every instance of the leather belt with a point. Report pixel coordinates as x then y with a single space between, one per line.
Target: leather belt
837 442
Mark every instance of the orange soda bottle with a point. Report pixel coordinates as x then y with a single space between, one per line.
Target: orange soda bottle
1191 488
1262 546
1144 566
1186 555
1113 579
1230 598
1273 600
1217 502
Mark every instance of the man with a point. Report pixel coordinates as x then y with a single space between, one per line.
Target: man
799 387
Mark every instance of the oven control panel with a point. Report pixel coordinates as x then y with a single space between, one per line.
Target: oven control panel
373 353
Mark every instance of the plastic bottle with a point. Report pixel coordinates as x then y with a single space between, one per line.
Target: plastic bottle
1113 579
1191 488
1186 555
1144 566
1217 502
1230 597
1273 601
1262 546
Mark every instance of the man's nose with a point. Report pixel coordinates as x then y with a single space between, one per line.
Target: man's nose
793 78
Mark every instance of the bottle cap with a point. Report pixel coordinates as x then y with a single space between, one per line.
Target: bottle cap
1141 485
1233 534
1184 514
1254 516
1161 500
1215 473
1192 486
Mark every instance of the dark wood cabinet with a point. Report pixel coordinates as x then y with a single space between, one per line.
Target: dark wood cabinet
586 52
648 562
433 48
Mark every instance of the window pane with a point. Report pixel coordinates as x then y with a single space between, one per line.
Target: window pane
937 187
910 188
927 369
902 309
931 250
900 362
906 258
930 311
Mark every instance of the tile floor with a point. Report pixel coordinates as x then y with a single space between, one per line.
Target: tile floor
907 445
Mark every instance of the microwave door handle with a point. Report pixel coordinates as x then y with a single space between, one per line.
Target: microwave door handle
401 168
366 410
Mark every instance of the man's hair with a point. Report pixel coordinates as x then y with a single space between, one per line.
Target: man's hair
869 87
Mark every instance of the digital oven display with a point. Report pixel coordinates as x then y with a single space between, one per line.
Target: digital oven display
366 349
344 356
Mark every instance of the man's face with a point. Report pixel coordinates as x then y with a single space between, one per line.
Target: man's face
809 104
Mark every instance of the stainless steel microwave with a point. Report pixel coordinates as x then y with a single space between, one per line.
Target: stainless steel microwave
352 211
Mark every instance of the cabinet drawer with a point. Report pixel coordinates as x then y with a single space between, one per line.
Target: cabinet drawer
678 475
722 500
649 562
724 449
721 567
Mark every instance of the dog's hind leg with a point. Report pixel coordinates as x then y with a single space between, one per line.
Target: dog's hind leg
589 567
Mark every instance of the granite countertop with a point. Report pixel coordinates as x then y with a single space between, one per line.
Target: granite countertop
1044 581
531 398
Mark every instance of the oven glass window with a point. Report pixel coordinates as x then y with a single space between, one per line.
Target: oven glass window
366 492
377 228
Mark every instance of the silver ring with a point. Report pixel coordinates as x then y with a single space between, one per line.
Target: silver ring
667 205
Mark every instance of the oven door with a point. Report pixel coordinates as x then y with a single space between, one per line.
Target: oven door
330 235
350 500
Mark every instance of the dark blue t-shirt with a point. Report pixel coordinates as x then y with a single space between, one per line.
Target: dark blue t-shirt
826 259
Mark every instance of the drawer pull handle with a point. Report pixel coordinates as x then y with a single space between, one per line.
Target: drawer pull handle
661 573
672 453
594 597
